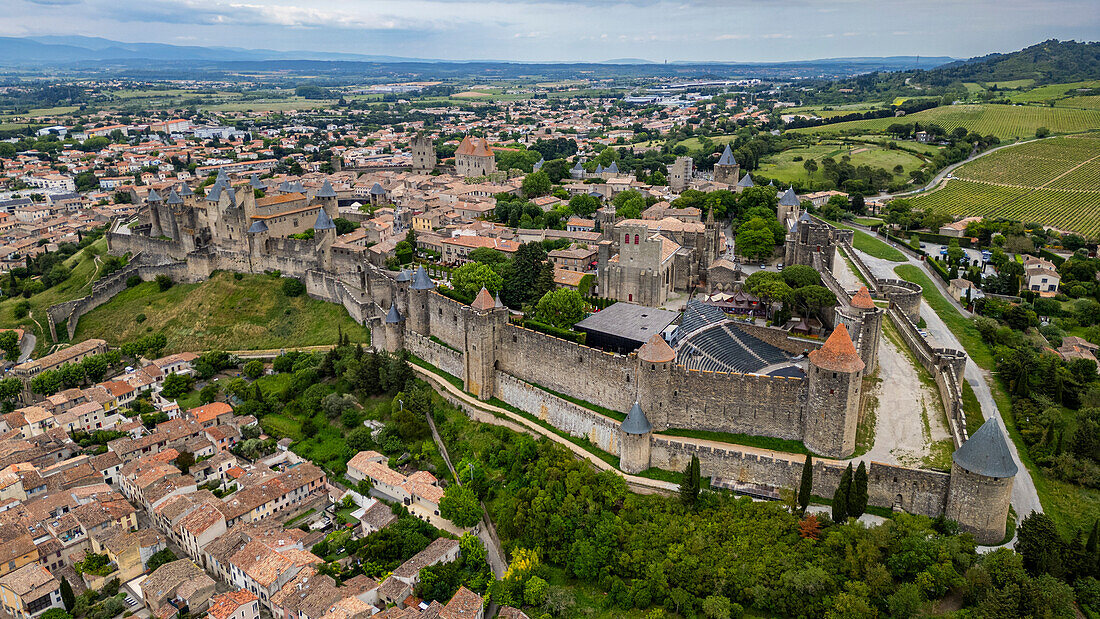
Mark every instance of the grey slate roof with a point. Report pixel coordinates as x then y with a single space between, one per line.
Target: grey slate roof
789 198
284 187
987 453
326 190
538 166
257 227
174 198
404 276
215 193
613 168
324 222
745 182
421 281
394 316
727 157
377 190
578 167
636 422
296 186
222 176
599 168
256 182
185 190
153 196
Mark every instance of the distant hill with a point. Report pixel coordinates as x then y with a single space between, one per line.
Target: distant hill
1048 62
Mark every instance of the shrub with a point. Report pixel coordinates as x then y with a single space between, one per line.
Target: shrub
22 309
238 276
164 282
140 318
293 287
133 280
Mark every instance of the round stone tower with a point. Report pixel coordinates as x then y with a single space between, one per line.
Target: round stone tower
419 292
394 329
982 471
864 321
634 441
835 377
655 359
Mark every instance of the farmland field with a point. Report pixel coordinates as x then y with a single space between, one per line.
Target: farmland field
782 167
1054 181
1007 122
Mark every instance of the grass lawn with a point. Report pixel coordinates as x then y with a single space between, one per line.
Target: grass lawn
222 313
748 440
972 409
84 272
1069 505
879 249
784 168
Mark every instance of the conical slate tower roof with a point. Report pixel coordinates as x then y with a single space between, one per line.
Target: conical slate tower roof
421 281
484 301
727 157
153 196
613 168
577 167
636 422
324 222
257 227
326 190
497 302
789 198
394 316
222 176
185 190
838 354
404 276
987 453
377 190
256 182
215 192
745 182
174 198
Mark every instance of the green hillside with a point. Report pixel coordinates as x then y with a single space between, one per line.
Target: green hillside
1007 122
224 312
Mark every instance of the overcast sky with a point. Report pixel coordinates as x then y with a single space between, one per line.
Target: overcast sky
555 30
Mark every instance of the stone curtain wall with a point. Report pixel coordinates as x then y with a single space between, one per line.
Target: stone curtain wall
601 431
944 364
860 265
738 403
602 378
905 295
450 361
914 490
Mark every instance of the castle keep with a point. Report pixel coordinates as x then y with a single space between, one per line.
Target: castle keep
713 374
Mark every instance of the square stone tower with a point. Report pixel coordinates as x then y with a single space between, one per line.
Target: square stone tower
423 154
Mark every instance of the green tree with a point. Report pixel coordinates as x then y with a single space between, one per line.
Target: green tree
1042 548
468 279
691 484
857 502
460 505
583 205
806 486
561 308
768 286
841 496
716 607
176 385
293 287
164 282
94 367
488 255
755 239
67 597
535 184
800 275
535 591
9 343
253 369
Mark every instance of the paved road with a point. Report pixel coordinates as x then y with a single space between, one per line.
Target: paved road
27 347
938 178
1025 499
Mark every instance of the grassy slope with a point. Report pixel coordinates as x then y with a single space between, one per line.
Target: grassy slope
1004 121
875 247
223 313
782 166
1070 506
79 284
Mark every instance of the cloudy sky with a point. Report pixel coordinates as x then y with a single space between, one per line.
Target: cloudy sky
554 30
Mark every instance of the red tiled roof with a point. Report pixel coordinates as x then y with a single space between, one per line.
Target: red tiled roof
838 354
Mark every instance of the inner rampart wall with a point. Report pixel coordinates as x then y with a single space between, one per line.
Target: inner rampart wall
738 403
566 416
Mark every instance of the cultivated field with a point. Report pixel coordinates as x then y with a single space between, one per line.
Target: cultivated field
1054 182
783 167
1008 122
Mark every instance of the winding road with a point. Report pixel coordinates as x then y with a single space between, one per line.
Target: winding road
939 177
1025 498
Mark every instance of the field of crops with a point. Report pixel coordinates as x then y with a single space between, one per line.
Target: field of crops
1007 122
1054 181
1051 91
1077 211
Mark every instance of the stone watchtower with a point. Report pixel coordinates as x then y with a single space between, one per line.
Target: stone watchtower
327 197
727 170
423 154
982 471
864 322
394 329
419 291
655 359
634 437
484 328
835 377
324 234
790 208
679 175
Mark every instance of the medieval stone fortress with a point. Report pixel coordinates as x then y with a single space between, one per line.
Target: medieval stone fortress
706 372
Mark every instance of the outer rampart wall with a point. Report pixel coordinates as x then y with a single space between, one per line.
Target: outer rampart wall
450 361
914 490
578 421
